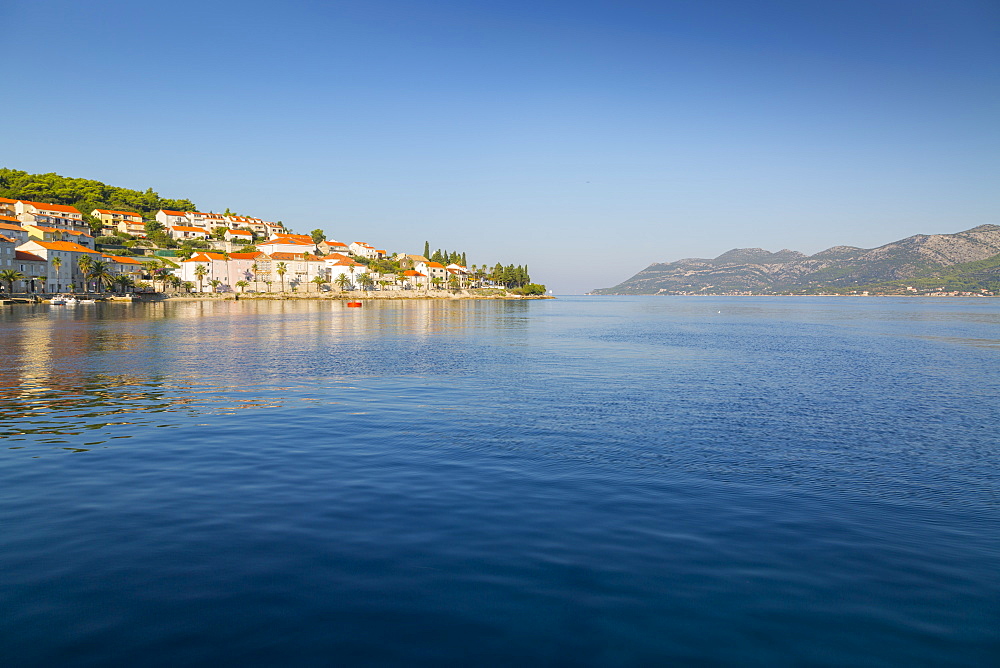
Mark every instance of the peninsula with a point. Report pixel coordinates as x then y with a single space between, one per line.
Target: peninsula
962 264
67 235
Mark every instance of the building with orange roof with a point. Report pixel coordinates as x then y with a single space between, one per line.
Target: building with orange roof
8 207
362 249
50 215
228 269
58 279
236 234
14 230
287 245
127 222
181 232
167 218
43 233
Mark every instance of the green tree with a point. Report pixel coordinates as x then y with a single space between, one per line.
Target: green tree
281 269
85 263
367 282
8 276
57 265
427 249
342 282
319 281
215 283
200 272
318 236
437 281
101 274
242 285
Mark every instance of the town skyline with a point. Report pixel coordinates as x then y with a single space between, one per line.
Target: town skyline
542 132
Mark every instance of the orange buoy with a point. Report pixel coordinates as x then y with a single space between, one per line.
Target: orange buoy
354 304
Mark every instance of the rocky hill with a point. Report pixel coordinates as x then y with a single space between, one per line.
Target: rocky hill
837 269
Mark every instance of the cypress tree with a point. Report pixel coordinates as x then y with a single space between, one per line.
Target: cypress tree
427 250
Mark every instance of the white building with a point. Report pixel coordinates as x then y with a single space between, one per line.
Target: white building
168 218
182 232
50 215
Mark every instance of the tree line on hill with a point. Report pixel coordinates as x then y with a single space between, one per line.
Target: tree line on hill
85 194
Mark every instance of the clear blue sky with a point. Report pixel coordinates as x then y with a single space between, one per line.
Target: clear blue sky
586 139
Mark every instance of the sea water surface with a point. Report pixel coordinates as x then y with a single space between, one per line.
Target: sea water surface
583 481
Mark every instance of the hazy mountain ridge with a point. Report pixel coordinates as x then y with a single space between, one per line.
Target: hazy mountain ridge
839 267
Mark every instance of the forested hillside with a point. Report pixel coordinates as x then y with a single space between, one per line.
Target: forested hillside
85 194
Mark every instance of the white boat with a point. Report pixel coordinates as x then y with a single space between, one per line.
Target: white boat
86 301
58 300
70 301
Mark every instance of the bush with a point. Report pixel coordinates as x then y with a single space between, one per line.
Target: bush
108 241
530 289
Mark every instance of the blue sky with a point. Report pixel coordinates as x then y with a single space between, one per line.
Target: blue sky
585 139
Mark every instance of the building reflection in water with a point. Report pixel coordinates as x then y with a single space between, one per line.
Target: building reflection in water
68 373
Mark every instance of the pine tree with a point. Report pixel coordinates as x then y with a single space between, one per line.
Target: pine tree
427 250
464 263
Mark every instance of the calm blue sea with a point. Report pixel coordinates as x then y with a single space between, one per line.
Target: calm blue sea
603 481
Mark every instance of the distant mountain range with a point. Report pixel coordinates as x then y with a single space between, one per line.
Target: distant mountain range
966 261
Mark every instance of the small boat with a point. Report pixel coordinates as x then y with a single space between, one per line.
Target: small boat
70 301
58 300
86 301
354 304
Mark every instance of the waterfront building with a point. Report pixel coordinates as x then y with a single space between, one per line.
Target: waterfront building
284 244
69 254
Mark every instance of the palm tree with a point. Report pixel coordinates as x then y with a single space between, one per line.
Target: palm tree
188 286
101 272
342 281
281 269
200 272
8 276
267 283
124 282
215 283
367 283
41 279
319 281
242 285
85 262
453 283
254 268
57 263
437 281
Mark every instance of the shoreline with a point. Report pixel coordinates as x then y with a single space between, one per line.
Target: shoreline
286 296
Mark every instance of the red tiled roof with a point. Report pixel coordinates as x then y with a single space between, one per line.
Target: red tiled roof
120 213
242 233
8 239
25 255
65 246
51 207
6 226
413 272
57 229
122 259
286 241
187 228
174 213
244 256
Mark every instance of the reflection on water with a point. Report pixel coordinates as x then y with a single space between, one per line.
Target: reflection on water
70 376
